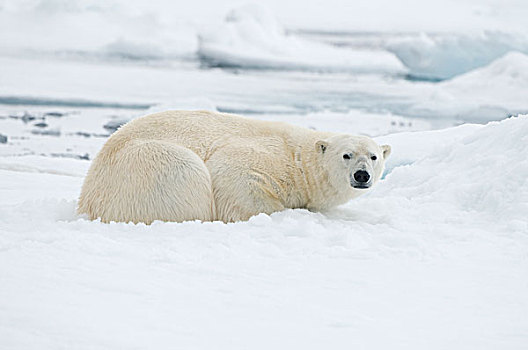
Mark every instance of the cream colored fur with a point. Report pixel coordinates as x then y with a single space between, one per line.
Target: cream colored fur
183 165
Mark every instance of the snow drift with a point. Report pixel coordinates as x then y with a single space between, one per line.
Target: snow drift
482 173
251 37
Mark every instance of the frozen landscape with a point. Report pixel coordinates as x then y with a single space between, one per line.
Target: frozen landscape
435 257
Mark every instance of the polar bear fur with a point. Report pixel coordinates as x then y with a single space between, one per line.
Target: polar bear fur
198 165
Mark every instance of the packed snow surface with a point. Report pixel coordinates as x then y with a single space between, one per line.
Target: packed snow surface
435 257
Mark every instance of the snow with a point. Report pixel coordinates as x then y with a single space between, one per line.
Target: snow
279 93
434 257
94 29
482 94
78 25
444 56
491 183
252 38
507 75
445 39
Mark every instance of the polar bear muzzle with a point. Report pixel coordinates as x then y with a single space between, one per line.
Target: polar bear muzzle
360 179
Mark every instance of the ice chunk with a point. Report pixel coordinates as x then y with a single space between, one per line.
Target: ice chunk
492 92
251 37
444 56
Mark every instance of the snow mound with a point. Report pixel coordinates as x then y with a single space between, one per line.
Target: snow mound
482 174
501 85
510 69
485 93
443 56
489 93
251 37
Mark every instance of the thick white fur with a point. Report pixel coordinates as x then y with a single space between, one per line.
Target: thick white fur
182 165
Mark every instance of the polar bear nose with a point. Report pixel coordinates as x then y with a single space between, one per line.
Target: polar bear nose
361 176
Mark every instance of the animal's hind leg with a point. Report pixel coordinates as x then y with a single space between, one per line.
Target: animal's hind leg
150 180
239 191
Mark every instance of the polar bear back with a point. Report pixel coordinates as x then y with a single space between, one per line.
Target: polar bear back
204 131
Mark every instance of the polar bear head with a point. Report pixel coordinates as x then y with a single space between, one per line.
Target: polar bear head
354 163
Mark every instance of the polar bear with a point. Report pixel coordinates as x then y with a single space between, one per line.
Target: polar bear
199 165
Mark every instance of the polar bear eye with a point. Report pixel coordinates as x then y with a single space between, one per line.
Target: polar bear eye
346 156
373 157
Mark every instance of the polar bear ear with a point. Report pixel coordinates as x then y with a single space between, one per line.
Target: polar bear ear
321 146
386 151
